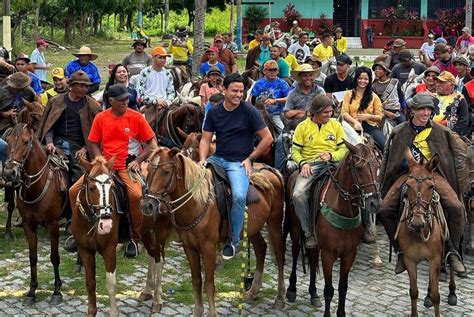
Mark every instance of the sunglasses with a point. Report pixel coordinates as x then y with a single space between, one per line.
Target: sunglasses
272 69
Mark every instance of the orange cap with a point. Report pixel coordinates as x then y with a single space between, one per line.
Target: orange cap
159 51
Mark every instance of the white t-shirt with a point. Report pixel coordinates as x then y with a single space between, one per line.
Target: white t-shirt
300 52
428 50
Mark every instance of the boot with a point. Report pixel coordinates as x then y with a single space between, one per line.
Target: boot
455 262
311 242
70 244
400 266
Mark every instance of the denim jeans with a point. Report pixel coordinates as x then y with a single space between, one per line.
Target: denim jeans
3 150
239 184
280 157
376 134
301 197
279 125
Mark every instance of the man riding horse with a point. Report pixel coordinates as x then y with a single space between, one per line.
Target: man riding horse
425 139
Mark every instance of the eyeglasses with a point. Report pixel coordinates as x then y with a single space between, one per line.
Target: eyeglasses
272 69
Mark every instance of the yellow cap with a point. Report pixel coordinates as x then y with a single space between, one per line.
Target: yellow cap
58 72
447 76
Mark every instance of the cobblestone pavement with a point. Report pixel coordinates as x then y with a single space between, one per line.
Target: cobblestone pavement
371 292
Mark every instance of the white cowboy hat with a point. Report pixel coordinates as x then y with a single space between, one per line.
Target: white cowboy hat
85 50
304 68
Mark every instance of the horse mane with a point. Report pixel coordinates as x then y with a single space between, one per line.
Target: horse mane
260 181
192 172
98 166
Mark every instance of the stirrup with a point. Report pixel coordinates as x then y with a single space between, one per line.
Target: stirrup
131 249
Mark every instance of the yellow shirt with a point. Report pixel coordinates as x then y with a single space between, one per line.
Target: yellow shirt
50 93
181 53
309 141
290 59
352 108
253 43
421 144
341 44
323 53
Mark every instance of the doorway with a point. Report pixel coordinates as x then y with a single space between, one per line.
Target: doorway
347 15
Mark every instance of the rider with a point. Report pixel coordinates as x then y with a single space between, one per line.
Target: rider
317 140
295 29
118 132
464 41
181 48
138 59
257 40
462 65
426 52
60 85
283 68
212 61
444 59
393 55
319 77
235 123
341 80
426 139
289 58
229 44
84 63
300 49
225 56
324 51
402 70
429 80
257 56
22 64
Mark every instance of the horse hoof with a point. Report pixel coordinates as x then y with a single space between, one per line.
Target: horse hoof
56 299
443 276
279 304
316 302
291 296
378 265
452 300
29 301
144 297
156 308
428 302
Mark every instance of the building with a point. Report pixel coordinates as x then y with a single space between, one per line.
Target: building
354 16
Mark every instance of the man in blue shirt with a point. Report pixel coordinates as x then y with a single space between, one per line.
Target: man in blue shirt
83 62
212 60
235 124
22 63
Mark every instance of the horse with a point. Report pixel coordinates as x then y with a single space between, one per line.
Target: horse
191 145
188 117
181 75
42 195
422 230
469 203
346 196
189 93
184 190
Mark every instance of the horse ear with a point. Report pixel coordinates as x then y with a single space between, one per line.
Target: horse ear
409 157
28 105
183 134
110 163
350 147
433 163
174 151
85 164
198 137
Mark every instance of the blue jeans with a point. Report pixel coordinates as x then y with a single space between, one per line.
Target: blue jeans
280 157
279 125
239 185
3 150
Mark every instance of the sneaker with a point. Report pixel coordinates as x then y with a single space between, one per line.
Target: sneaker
131 250
70 245
311 242
400 266
230 251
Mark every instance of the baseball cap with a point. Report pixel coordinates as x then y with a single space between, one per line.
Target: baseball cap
405 55
282 45
58 72
343 59
23 56
441 40
118 91
213 49
431 35
447 76
159 51
466 29
41 42
270 64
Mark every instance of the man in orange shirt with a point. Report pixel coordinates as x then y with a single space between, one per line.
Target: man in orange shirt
118 131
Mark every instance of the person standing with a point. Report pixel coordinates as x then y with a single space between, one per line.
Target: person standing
38 60
235 124
84 63
138 59
118 132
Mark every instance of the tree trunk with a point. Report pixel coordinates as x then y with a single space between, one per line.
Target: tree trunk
101 17
238 31
232 22
37 17
121 22
199 26
52 30
192 13
129 21
82 22
69 27
167 16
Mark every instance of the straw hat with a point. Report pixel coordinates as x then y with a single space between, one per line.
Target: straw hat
85 50
304 68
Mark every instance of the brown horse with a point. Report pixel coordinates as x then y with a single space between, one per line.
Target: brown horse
422 230
184 191
191 145
188 117
42 196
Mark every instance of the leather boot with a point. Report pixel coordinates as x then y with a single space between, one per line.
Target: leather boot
455 263
400 266
311 242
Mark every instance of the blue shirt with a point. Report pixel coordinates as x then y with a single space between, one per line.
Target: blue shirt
235 130
35 83
38 58
204 68
90 69
277 88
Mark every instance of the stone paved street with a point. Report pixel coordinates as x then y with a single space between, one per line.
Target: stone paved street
371 292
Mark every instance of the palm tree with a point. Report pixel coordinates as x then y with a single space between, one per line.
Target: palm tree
199 25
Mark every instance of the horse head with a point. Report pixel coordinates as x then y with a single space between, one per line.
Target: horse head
20 144
365 168
94 199
419 191
191 145
193 118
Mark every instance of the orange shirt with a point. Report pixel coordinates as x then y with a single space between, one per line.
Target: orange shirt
120 136
352 108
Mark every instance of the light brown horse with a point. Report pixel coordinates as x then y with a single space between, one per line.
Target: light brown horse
191 145
184 190
422 230
41 199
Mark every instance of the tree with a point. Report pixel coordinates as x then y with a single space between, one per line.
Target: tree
199 27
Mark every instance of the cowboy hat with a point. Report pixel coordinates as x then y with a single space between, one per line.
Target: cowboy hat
304 68
139 42
79 77
18 80
85 50
380 61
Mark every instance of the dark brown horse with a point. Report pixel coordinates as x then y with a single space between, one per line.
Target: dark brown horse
42 196
422 231
188 117
184 191
351 189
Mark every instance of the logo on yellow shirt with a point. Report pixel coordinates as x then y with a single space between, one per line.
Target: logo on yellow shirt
331 137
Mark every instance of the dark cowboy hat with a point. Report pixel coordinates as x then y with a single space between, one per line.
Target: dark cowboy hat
79 77
380 61
139 42
18 80
181 32
320 102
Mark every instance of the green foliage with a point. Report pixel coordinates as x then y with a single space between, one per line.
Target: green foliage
290 14
255 14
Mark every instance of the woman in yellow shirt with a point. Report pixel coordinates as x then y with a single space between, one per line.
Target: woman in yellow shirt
362 108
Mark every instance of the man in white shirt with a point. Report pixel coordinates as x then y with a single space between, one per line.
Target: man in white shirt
300 49
426 52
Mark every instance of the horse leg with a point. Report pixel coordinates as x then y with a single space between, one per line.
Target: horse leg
31 235
53 231
260 247
328 262
195 264
209 271
276 237
88 261
433 290
110 261
345 267
452 297
378 264
78 266
150 283
313 258
295 251
411 268
10 201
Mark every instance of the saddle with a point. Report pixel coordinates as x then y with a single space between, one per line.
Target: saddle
223 191
120 194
